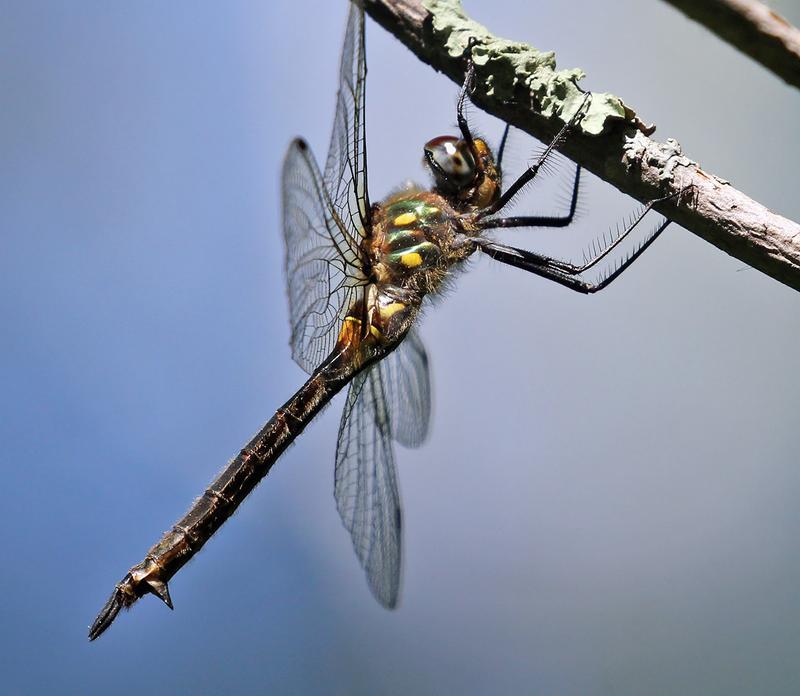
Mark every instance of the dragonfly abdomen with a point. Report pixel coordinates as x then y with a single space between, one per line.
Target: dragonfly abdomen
229 489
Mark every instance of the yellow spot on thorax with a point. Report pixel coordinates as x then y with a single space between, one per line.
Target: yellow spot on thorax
405 219
388 310
411 260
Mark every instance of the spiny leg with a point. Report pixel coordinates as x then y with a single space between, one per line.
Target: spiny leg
541 220
502 148
528 175
523 221
467 87
577 269
546 267
566 273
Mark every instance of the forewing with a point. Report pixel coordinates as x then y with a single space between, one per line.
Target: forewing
346 166
365 485
325 217
406 379
323 268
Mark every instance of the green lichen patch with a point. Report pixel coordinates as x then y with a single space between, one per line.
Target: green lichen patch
510 68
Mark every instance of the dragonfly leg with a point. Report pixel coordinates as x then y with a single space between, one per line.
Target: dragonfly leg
569 274
530 173
466 88
541 220
498 161
553 270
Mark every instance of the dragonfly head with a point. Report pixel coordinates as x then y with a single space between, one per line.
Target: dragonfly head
451 162
464 172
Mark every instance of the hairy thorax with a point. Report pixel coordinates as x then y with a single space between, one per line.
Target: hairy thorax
413 241
411 248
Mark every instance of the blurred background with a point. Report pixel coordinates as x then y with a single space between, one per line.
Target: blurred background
608 501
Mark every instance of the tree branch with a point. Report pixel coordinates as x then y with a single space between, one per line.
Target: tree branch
520 85
754 29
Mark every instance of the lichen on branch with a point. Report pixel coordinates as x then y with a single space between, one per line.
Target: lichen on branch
507 66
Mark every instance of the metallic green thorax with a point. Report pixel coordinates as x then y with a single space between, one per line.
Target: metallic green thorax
412 244
411 235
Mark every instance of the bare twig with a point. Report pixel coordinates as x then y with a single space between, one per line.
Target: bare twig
754 29
520 85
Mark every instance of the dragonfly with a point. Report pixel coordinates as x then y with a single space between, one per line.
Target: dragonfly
357 276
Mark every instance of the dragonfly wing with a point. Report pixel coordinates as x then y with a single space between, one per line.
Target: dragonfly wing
406 379
346 166
325 216
365 485
323 269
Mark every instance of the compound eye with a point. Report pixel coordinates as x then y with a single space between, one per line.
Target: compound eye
451 162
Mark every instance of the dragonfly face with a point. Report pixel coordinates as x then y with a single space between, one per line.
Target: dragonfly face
451 162
463 170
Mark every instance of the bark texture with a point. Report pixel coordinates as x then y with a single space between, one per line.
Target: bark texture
754 29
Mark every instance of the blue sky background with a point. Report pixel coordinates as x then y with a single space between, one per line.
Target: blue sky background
609 500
